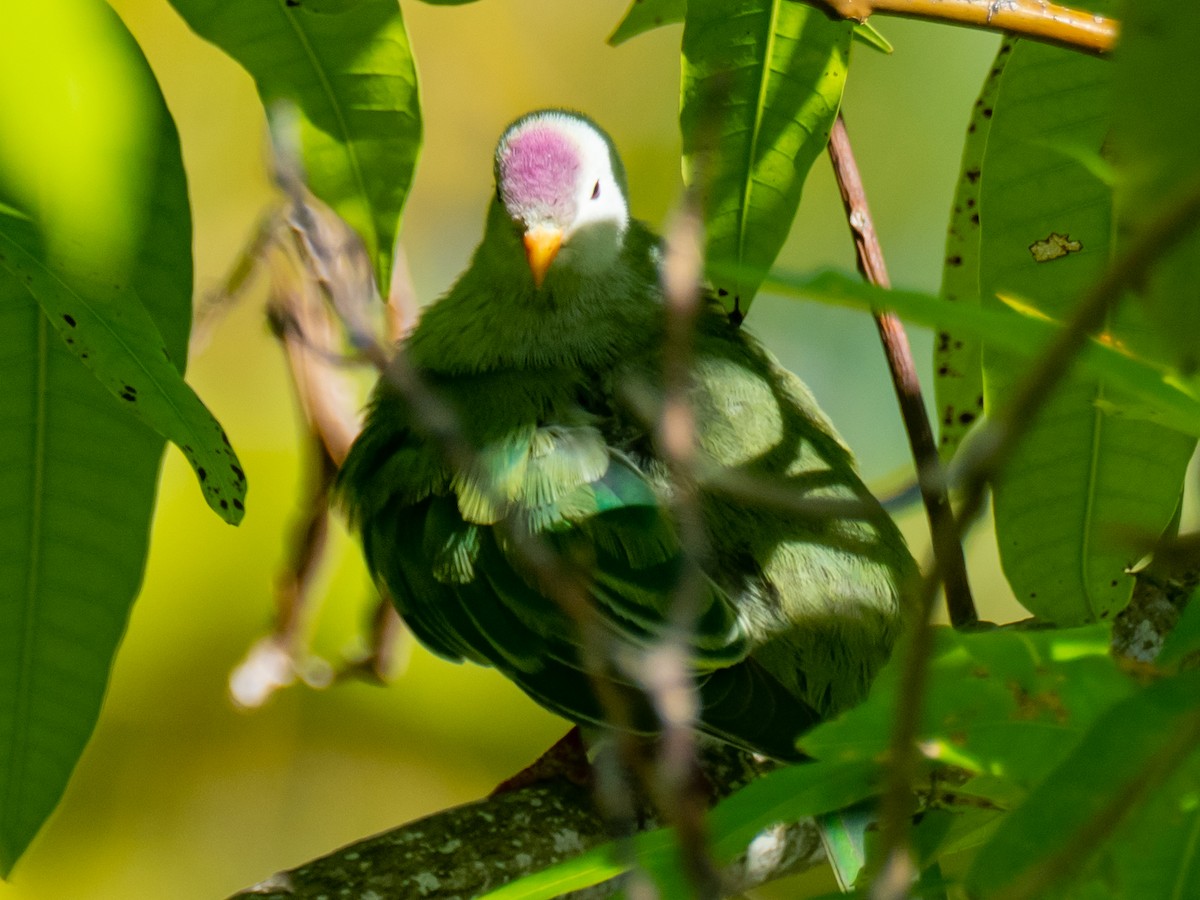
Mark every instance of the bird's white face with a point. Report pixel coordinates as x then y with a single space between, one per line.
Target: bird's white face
555 177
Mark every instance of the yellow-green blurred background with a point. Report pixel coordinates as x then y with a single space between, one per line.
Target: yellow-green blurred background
181 796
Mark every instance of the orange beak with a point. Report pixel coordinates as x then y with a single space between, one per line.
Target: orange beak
541 246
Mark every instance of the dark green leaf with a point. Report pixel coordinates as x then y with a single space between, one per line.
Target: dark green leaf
92 157
1154 852
350 72
762 82
1156 129
1125 759
105 325
958 357
1083 474
646 15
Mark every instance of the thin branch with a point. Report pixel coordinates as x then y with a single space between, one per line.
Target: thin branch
403 306
899 802
1037 20
468 850
666 669
930 477
303 327
213 305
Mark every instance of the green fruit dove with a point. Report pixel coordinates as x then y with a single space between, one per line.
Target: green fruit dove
541 350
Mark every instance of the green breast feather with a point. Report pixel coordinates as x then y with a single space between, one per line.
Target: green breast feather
797 613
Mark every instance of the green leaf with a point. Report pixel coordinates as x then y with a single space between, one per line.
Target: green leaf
1154 852
958 358
104 323
1156 129
1006 704
1082 476
787 795
349 70
762 82
866 33
1183 641
1124 760
844 836
91 155
1133 381
646 15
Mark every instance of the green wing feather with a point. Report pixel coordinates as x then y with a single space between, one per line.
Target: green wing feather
465 590
796 613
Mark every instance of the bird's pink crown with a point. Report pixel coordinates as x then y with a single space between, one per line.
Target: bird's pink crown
539 166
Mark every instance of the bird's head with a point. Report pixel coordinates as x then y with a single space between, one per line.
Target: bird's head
561 183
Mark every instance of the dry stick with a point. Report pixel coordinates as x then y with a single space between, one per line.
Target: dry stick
948 557
302 327
673 688
985 456
402 310
946 545
1037 20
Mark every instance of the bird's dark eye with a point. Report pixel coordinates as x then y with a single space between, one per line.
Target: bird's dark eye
596 191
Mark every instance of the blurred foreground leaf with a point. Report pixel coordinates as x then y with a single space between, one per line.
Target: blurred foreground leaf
1128 755
1139 384
788 795
89 154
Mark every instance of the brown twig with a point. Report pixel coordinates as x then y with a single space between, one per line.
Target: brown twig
930 476
1037 20
303 328
667 671
403 305
948 556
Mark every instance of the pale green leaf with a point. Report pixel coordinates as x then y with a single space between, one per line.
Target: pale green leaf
89 152
349 69
762 82
1082 479
957 357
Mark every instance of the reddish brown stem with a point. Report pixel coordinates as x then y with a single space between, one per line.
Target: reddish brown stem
944 529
